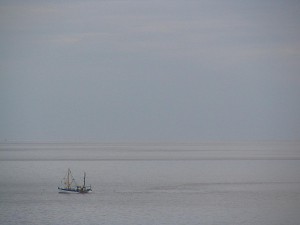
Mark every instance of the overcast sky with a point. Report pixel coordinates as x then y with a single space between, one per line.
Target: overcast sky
173 70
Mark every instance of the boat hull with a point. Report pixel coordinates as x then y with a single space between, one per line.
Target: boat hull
73 191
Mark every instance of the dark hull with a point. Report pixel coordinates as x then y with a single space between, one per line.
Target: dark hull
73 190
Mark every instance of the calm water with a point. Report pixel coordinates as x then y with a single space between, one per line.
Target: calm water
205 184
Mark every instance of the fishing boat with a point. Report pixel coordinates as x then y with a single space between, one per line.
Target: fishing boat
69 185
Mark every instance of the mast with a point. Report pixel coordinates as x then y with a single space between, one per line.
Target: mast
68 179
84 180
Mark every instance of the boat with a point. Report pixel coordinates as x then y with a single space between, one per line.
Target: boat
69 185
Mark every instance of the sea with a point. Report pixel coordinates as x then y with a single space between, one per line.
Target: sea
205 183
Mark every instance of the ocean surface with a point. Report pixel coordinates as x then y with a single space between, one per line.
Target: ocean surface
213 183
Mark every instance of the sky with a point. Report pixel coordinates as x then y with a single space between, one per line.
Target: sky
177 70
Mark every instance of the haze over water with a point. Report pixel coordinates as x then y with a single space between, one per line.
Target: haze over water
130 92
